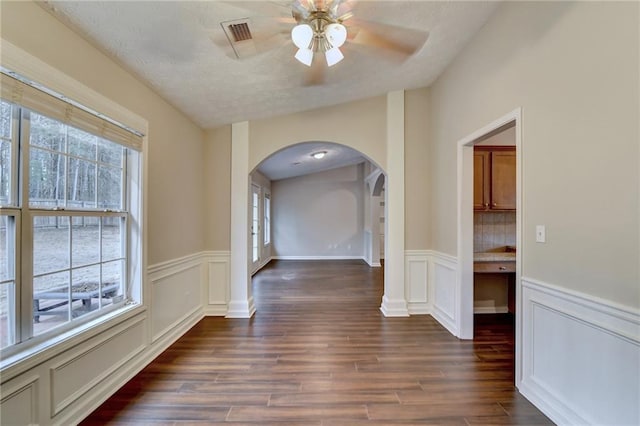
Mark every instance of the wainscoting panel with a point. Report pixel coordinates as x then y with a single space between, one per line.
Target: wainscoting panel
218 279
581 356
176 287
74 374
445 298
62 386
417 281
19 404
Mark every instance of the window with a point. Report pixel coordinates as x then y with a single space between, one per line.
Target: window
66 220
267 219
255 223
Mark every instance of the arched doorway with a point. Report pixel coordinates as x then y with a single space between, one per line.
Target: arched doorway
248 151
322 201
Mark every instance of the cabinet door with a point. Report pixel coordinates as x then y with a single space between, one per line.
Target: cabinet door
481 180
503 180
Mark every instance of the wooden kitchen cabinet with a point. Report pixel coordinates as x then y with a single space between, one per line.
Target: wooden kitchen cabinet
494 178
481 179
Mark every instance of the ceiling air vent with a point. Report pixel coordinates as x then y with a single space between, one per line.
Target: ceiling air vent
239 36
240 32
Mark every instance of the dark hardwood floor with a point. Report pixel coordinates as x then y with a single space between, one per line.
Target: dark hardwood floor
319 352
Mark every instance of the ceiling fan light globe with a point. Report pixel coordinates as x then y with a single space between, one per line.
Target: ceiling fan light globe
336 34
305 56
302 35
333 56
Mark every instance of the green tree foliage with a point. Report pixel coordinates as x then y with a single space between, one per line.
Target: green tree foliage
72 168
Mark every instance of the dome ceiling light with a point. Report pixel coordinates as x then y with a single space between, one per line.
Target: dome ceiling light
319 155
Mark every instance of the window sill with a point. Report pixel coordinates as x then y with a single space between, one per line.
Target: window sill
35 354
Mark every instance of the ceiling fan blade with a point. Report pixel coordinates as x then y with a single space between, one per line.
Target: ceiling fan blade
399 40
342 9
316 75
302 9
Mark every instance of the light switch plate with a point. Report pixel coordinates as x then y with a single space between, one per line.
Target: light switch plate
541 234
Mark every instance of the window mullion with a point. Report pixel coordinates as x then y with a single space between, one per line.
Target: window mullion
13 246
100 259
125 203
25 231
130 172
70 260
14 311
14 197
65 150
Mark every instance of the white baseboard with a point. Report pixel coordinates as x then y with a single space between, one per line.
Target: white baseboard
445 320
215 310
416 308
241 309
581 356
394 308
318 258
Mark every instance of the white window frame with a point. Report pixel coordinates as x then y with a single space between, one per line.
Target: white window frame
267 219
49 344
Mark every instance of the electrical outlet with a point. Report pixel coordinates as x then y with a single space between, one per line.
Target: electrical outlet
541 234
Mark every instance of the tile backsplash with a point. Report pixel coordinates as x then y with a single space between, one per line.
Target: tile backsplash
493 230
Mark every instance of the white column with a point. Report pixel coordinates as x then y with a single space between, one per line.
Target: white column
241 300
394 303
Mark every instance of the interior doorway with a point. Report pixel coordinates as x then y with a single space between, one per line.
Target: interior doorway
328 208
467 224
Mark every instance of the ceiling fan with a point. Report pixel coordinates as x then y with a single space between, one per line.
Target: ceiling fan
324 27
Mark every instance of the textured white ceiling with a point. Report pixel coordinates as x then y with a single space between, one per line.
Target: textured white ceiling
297 160
180 50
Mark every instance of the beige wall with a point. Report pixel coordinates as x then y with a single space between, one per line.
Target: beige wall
175 165
217 196
359 124
578 88
320 214
416 174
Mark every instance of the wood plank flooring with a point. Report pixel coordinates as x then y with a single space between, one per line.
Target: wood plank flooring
319 352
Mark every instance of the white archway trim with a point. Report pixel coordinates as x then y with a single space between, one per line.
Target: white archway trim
241 300
372 180
394 303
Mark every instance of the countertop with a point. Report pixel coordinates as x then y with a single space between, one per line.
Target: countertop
494 257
